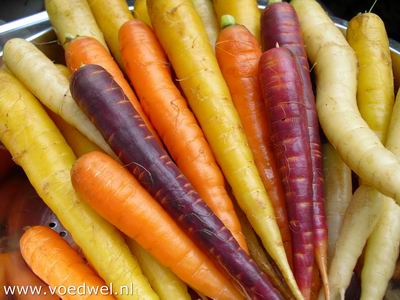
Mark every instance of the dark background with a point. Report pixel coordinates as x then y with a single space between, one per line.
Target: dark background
388 10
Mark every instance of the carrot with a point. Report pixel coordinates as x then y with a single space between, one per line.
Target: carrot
162 280
76 140
71 19
152 228
281 86
140 11
49 85
18 274
39 148
103 100
336 72
6 163
261 259
185 41
238 54
205 10
366 34
147 66
53 260
245 12
337 192
84 51
279 24
111 15
381 253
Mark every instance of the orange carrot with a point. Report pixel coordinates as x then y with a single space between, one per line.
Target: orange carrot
238 53
118 197
88 50
18 274
57 264
147 67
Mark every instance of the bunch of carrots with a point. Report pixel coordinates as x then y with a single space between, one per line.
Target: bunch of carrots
180 147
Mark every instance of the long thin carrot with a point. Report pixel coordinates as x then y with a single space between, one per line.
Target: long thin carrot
282 91
117 196
199 75
147 66
280 24
87 50
54 261
238 54
103 100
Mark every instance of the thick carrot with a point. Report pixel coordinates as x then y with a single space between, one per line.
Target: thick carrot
164 282
238 54
76 140
147 66
19 274
86 50
140 11
111 15
39 148
131 209
245 12
367 36
279 24
282 90
57 264
103 100
205 10
71 19
336 73
49 85
6 163
337 191
185 41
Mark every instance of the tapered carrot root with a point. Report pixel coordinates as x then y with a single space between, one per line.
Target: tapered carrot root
86 50
54 261
280 25
238 54
282 90
182 35
128 206
336 73
103 100
147 66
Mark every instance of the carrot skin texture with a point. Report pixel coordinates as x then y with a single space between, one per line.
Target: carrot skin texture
100 98
238 54
87 50
54 261
147 66
131 209
281 87
280 24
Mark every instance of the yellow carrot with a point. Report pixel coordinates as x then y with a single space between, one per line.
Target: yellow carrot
180 31
161 279
367 36
111 15
39 148
205 10
245 12
140 11
50 86
71 19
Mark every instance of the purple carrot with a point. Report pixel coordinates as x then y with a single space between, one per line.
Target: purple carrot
280 25
105 103
282 91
